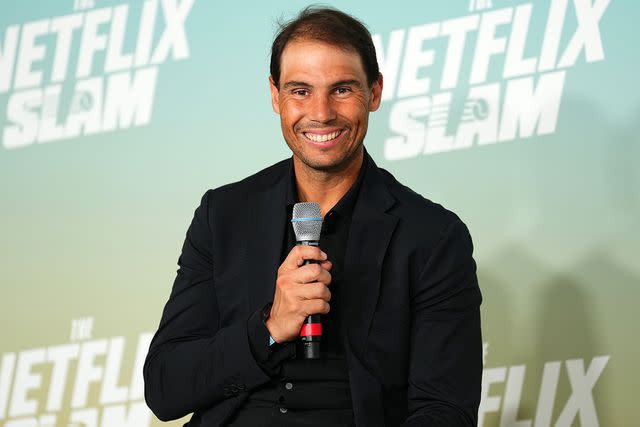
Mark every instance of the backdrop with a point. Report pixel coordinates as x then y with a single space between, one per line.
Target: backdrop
115 118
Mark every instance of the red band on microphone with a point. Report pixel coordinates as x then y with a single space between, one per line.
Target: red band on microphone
311 329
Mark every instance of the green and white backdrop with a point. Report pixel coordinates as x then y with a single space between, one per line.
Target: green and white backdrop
522 117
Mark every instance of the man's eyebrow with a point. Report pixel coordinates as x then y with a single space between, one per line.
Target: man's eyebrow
347 83
351 82
291 84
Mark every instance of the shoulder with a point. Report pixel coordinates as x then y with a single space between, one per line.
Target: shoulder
416 211
428 233
257 182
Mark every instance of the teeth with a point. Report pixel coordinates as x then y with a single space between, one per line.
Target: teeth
322 138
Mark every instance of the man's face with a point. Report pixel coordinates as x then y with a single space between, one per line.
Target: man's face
324 103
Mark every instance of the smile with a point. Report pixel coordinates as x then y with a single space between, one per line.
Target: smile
317 137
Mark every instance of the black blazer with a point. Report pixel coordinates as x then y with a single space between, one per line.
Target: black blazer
413 342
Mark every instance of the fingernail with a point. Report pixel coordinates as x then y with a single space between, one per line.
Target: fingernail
324 256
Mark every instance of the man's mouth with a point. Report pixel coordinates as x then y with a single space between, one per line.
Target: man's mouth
322 137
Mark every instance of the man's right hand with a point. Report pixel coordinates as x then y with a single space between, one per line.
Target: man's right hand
301 290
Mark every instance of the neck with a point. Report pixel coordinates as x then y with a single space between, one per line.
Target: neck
326 187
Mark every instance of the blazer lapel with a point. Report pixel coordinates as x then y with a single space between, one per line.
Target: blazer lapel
265 235
369 235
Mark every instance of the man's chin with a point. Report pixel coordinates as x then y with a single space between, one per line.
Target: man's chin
328 165
323 166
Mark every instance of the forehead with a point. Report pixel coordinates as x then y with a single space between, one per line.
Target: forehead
304 60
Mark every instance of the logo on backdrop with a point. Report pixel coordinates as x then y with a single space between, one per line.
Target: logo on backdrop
99 383
582 378
81 383
77 74
513 79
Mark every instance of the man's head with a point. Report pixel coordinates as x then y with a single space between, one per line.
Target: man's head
324 82
330 26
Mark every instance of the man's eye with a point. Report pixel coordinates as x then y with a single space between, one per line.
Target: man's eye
300 92
342 90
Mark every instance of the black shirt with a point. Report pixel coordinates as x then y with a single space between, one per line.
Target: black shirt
307 392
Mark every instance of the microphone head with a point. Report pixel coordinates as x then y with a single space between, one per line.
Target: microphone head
307 221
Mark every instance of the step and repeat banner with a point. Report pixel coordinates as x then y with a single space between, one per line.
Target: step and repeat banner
116 116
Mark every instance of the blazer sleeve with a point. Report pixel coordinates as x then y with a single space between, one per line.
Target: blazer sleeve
445 370
193 363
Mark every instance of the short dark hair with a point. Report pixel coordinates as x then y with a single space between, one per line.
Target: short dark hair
330 26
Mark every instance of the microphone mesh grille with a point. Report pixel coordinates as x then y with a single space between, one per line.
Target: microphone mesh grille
307 221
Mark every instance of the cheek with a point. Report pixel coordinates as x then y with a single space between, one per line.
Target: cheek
364 103
289 110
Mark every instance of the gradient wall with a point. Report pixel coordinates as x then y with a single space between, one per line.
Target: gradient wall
115 117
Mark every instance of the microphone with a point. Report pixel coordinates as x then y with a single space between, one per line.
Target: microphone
307 224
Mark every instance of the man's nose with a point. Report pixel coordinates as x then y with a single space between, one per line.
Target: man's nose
322 109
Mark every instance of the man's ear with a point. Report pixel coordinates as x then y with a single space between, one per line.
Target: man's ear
275 101
376 94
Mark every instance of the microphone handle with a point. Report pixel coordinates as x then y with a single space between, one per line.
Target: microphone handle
311 331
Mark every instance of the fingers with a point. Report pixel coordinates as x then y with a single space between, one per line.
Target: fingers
312 273
299 254
307 274
326 265
315 290
301 290
316 306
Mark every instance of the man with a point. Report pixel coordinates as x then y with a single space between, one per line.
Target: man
394 279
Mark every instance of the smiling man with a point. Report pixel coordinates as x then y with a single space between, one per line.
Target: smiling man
393 277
